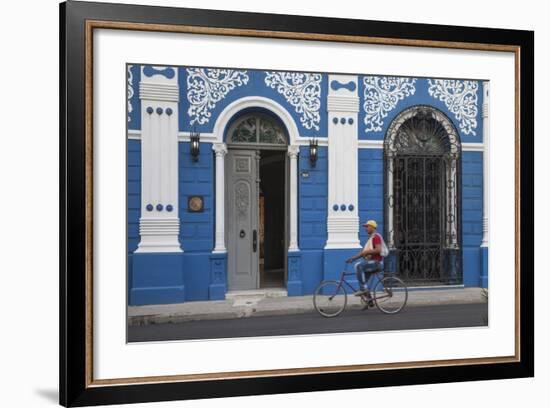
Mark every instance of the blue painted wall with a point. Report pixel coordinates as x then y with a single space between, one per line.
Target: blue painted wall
312 216
472 216
196 228
196 178
312 199
134 193
371 189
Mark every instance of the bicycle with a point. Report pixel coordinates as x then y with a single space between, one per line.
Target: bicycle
389 295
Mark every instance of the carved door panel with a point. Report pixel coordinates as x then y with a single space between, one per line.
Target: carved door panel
242 219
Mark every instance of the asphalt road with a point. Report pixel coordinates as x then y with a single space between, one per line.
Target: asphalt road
420 317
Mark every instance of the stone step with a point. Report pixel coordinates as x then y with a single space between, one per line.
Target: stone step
256 293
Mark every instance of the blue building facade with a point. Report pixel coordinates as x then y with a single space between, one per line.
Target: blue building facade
286 168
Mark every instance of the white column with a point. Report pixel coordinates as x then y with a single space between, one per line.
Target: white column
486 153
159 222
293 155
220 150
343 112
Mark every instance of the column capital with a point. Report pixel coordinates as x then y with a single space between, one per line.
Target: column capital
159 83
293 151
220 149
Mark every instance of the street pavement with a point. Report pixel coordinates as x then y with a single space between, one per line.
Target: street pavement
415 317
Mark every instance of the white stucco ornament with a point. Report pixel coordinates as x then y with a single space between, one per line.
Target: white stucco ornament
460 97
381 95
130 90
206 87
302 91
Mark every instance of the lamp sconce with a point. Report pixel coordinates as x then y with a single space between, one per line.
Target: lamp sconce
313 143
195 139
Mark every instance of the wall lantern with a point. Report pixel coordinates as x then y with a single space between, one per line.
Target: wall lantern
194 138
313 143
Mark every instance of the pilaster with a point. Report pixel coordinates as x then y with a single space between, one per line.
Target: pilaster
293 152
159 222
484 279
343 112
220 150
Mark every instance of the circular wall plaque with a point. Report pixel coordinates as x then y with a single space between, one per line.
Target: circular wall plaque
195 204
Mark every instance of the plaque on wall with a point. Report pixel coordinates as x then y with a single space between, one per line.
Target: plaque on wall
195 204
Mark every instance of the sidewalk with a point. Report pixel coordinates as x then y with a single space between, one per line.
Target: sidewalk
272 303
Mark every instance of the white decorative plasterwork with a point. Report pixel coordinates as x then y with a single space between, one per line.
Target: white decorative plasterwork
302 91
381 96
130 90
206 87
460 97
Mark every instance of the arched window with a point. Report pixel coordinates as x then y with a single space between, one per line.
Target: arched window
258 129
422 197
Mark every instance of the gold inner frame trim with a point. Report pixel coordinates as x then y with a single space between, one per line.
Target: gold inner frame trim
100 24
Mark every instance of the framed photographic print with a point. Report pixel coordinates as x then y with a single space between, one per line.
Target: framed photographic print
248 199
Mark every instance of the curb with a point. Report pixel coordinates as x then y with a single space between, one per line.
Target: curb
279 309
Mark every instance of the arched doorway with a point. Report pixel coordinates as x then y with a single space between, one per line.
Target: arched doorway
256 205
422 159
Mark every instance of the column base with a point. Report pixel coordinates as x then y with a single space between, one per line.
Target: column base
294 286
156 278
218 276
334 263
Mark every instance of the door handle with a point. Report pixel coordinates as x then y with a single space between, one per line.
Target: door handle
254 240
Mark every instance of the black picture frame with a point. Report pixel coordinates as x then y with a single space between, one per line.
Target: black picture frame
77 388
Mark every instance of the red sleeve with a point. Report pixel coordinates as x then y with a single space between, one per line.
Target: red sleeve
376 240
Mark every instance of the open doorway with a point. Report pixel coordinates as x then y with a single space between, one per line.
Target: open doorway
272 218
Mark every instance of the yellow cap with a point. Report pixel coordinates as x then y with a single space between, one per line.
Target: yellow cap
372 223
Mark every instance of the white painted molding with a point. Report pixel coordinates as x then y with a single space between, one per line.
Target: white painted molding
157 234
342 103
205 137
134 134
486 154
343 118
370 144
220 150
473 147
158 92
304 141
159 222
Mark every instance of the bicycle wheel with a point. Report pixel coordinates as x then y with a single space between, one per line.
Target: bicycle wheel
390 295
330 298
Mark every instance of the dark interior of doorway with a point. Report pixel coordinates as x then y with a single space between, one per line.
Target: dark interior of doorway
272 218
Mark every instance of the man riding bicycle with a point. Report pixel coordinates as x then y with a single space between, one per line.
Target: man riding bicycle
372 258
